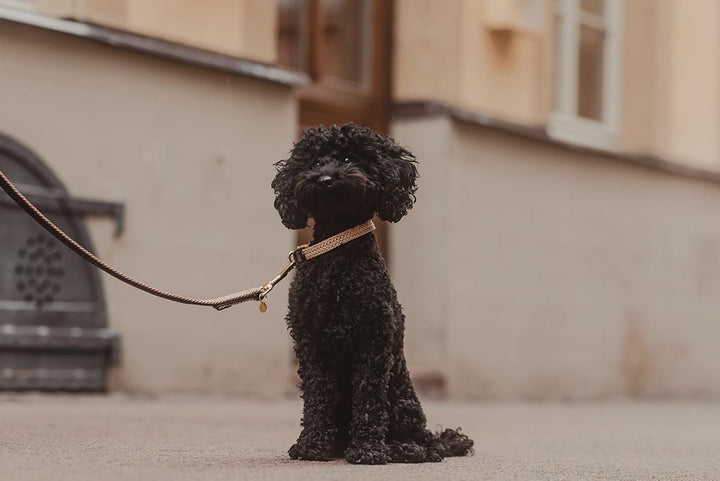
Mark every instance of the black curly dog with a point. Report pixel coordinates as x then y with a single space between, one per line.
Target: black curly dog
344 316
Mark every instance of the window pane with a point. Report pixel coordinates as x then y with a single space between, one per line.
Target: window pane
292 33
590 75
593 6
346 47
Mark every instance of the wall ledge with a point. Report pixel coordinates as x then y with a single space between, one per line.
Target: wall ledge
419 109
159 48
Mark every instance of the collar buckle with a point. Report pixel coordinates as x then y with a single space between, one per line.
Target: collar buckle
298 256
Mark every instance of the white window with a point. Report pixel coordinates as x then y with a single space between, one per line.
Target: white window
587 72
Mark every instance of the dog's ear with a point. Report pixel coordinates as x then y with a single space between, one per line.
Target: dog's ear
398 173
284 187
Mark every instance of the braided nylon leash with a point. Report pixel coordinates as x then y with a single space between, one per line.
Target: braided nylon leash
300 254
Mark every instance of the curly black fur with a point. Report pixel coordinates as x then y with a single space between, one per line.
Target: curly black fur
344 317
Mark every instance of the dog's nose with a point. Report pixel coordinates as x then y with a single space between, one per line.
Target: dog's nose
325 180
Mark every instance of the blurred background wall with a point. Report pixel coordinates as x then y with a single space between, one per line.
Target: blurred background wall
562 245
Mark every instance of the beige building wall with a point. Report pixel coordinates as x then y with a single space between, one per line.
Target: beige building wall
189 151
428 50
689 73
528 270
642 64
243 28
563 275
459 53
447 52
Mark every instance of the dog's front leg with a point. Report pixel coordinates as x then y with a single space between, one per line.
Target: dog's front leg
319 387
370 410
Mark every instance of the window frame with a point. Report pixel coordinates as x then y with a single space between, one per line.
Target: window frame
565 122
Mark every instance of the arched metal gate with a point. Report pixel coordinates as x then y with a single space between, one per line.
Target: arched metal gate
53 318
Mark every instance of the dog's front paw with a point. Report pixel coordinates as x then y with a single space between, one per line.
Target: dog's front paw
367 454
310 451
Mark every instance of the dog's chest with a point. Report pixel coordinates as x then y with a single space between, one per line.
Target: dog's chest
339 300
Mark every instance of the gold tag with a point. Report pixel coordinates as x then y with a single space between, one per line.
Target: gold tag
263 306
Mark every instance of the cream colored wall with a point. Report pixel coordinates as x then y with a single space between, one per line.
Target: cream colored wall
642 61
502 72
424 285
556 274
189 152
446 52
112 13
671 105
428 46
243 28
689 74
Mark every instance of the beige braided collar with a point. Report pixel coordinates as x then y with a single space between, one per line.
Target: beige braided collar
306 251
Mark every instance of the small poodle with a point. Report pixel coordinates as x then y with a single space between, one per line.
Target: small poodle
344 316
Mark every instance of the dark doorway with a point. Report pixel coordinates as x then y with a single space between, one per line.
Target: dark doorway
53 317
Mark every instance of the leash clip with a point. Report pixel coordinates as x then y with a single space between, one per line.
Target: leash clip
294 258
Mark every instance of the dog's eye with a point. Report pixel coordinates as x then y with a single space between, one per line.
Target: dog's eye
347 160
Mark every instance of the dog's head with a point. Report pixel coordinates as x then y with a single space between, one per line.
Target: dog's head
347 171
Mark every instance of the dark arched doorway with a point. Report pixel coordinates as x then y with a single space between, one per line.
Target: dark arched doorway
53 319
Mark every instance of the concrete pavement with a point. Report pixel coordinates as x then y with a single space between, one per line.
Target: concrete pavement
199 438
